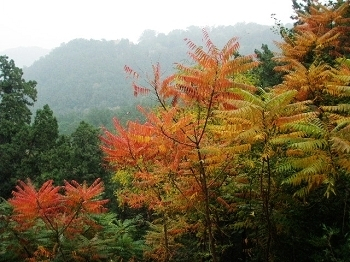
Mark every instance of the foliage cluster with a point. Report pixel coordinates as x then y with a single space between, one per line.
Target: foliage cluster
244 158
66 223
238 172
53 223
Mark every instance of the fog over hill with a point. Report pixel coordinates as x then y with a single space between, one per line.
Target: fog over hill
25 56
85 76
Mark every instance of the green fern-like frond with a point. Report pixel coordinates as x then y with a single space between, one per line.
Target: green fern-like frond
284 167
238 149
309 128
299 106
247 112
288 138
248 97
343 123
301 178
309 173
317 167
338 90
301 163
282 121
280 101
341 108
311 144
250 134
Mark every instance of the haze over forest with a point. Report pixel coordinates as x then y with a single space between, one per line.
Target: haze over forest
84 79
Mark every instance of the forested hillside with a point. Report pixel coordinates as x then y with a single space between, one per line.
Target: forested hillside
85 79
238 157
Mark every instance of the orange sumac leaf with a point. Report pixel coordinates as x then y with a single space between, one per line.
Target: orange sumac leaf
87 197
29 204
130 71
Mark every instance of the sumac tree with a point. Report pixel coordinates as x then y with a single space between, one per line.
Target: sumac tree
63 223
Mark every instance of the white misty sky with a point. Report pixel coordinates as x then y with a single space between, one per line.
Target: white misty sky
48 23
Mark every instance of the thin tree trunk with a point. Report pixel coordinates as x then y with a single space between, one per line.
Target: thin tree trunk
209 222
207 208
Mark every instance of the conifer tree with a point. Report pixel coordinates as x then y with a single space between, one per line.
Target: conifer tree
16 96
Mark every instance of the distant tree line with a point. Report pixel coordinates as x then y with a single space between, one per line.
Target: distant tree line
85 79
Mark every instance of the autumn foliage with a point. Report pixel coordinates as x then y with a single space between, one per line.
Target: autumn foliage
176 157
222 169
221 155
63 214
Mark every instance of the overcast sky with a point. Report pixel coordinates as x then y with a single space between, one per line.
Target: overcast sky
48 23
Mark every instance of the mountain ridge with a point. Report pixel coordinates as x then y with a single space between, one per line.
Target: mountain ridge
84 75
25 56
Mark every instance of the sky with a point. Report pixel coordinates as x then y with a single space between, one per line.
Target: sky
49 23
